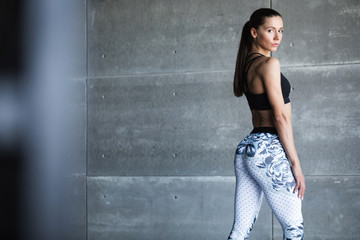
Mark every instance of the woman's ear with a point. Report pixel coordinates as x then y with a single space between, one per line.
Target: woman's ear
253 33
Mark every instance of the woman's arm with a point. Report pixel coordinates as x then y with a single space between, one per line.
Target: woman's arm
282 118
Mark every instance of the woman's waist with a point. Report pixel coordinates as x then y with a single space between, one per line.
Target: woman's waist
264 129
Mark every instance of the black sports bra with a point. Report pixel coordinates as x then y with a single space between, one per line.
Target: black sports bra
261 101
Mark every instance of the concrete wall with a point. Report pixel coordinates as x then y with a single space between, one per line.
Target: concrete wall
162 123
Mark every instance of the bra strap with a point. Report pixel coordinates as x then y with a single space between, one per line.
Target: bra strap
247 64
253 54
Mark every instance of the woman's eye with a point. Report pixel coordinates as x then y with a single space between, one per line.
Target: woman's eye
270 30
281 30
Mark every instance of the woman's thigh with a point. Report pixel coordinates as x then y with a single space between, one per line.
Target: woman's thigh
271 169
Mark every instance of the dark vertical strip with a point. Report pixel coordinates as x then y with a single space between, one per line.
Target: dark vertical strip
86 208
86 157
86 89
10 177
86 39
11 60
177 40
11 141
86 117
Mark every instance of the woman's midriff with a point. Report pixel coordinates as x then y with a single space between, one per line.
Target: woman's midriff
262 118
265 118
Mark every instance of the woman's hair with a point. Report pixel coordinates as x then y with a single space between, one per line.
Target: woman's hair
257 19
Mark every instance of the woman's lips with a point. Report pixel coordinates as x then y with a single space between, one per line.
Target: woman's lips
275 44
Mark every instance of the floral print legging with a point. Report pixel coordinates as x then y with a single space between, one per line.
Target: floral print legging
262 168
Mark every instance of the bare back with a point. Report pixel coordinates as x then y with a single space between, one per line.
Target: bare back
255 75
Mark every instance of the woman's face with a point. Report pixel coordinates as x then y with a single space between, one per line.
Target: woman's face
268 36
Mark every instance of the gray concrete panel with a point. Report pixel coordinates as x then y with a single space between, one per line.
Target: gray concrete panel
183 124
209 32
165 208
319 32
130 36
331 209
158 36
326 117
190 125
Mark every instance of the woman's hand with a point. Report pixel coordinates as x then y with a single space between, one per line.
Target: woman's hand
300 181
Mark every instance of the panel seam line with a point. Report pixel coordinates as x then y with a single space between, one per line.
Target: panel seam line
211 71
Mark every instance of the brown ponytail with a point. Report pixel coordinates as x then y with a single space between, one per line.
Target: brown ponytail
257 19
245 44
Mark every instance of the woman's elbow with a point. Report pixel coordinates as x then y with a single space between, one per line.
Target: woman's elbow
280 118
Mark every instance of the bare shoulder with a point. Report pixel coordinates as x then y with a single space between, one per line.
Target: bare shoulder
270 65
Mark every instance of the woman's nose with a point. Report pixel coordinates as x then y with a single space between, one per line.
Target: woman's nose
276 35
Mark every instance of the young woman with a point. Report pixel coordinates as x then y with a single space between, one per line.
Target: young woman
266 162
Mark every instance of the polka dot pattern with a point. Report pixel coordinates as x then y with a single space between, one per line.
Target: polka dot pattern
254 179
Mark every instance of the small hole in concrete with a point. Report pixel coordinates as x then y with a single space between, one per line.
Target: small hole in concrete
175 197
174 93
103 56
291 44
174 52
104 196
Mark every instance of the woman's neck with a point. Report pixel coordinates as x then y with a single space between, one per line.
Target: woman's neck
260 50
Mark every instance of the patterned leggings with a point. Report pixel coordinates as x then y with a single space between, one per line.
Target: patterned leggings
262 167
